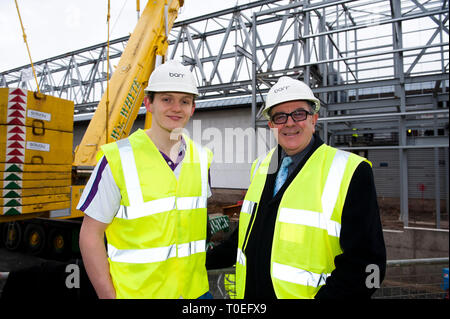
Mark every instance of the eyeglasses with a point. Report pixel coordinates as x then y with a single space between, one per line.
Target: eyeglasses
297 116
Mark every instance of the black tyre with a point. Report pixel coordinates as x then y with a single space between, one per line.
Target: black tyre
12 236
59 244
34 239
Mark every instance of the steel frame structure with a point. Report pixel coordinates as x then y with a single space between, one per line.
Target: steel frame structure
380 68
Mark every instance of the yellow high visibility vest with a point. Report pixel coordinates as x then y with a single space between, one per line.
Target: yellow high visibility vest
157 240
308 223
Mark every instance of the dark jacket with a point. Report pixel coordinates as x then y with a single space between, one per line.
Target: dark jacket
361 239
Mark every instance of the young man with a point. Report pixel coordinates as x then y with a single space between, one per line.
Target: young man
309 225
148 193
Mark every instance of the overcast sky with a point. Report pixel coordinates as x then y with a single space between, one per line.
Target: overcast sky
55 27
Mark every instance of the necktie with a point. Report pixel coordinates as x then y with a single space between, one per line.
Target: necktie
282 174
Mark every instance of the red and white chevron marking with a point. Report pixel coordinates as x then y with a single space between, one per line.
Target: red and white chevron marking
16 117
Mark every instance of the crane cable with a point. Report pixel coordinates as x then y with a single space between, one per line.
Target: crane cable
138 9
107 74
28 49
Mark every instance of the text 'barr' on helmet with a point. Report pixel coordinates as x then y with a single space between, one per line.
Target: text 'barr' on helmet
172 76
288 89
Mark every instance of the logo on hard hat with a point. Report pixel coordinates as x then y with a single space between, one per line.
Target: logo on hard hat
176 75
281 89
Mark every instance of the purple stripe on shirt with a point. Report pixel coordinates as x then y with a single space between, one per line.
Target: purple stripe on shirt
180 157
171 163
94 187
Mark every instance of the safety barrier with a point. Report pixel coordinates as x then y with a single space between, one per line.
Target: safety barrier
414 279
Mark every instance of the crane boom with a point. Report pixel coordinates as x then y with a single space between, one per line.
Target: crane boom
129 80
36 178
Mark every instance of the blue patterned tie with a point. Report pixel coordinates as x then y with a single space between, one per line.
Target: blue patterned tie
282 174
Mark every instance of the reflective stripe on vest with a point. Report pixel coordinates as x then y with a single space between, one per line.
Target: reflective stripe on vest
333 184
247 207
297 275
259 160
309 218
137 207
191 248
329 196
130 172
158 254
161 205
241 257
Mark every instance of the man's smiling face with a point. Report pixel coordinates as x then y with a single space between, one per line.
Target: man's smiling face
293 136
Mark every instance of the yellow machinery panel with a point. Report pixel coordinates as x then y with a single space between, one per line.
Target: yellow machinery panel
77 191
33 208
34 183
30 200
28 108
30 145
25 192
36 136
34 175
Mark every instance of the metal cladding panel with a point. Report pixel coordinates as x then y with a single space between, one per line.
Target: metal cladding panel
385 166
421 173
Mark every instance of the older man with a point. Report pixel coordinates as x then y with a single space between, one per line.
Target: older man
309 225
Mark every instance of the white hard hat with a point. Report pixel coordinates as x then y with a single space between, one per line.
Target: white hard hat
288 89
172 76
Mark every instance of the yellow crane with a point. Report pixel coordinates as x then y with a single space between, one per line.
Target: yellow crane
112 120
128 82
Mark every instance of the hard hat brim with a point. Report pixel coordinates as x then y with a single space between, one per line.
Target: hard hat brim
163 87
266 110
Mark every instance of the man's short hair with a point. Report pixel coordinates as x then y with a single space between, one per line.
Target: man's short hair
151 96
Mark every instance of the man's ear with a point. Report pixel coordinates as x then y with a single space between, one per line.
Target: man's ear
147 103
193 108
315 117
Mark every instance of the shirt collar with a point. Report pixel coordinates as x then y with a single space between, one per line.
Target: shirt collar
180 157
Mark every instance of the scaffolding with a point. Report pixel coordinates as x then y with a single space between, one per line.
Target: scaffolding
379 67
